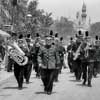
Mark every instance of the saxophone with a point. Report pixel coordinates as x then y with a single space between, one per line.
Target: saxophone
90 44
77 53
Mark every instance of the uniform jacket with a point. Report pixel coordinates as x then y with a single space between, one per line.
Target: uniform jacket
69 50
35 51
48 57
91 55
75 47
26 48
97 50
61 51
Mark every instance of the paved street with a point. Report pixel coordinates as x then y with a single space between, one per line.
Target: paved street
66 89
4 75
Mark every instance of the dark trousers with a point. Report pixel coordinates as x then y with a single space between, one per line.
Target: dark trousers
10 64
77 69
47 77
57 72
70 64
19 74
37 69
84 70
96 68
2 52
87 70
90 71
62 64
27 71
70 61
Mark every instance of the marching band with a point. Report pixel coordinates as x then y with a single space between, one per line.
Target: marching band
83 57
47 58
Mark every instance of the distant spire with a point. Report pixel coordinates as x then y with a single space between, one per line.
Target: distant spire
84 7
84 10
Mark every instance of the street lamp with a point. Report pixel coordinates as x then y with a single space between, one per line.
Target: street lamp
28 22
28 18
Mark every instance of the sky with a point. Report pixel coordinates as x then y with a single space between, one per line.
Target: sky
68 8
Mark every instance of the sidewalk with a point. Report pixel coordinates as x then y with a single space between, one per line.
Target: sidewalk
4 74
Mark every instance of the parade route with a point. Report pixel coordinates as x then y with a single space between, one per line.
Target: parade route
66 89
4 74
49 50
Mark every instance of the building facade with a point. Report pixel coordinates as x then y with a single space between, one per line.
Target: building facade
82 21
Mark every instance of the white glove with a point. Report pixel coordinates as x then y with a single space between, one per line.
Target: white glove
40 65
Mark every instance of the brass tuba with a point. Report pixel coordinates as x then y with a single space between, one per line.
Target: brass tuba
13 49
17 54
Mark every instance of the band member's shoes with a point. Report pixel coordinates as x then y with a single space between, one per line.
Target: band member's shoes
77 79
89 85
49 92
45 91
20 88
27 82
84 82
95 76
9 70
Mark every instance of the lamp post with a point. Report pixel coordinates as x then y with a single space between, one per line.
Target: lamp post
29 17
28 20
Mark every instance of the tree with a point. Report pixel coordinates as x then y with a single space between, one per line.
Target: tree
32 8
46 21
95 29
41 21
17 11
64 27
